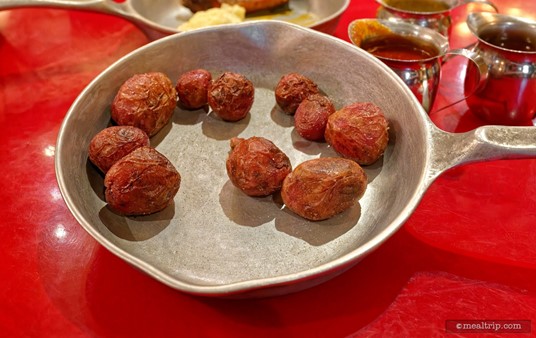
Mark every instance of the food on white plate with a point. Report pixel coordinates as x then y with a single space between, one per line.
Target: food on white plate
359 132
145 101
249 5
292 89
225 14
141 183
312 115
200 5
257 5
257 166
192 88
321 188
113 143
231 96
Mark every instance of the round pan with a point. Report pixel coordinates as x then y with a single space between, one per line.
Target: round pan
158 18
214 240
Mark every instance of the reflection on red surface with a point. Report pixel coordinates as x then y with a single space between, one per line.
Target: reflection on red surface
467 252
461 299
500 225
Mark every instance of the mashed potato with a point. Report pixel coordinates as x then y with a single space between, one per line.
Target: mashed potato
215 16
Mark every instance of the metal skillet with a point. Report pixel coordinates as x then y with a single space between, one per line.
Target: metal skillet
216 241
158 18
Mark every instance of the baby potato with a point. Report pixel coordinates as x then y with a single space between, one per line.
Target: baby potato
324 187
192 88
257 166
146 101
113 143
312 116
141 183
358 132
231 96
292 89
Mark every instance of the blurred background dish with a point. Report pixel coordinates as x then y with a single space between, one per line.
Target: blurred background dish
158 18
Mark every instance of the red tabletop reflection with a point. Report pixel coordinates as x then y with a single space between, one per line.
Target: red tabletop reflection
467 253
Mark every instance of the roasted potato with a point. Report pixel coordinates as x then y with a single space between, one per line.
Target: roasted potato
324 187
231 96
192 88
358 132
146 101
312 115
257 166
141 183
113 143
292 89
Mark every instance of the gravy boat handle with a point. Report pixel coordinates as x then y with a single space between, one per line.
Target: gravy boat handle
485 2
481 65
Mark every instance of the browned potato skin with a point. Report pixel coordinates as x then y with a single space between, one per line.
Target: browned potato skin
192 88
257 166
141 183
113 143
312 115
292 89
322 188
249 5
200 5
256 5
231 96
146 101
358 132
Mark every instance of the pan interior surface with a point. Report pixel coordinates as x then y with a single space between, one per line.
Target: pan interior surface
213 238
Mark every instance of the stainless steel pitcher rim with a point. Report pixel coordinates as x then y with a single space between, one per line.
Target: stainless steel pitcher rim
451 5
478 21
403 28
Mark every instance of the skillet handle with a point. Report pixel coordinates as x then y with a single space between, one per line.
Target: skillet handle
120 9
103 6
486 143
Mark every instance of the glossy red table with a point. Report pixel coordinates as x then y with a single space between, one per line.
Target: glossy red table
467 253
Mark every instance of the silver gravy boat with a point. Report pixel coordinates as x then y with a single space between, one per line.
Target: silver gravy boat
507 45
421 75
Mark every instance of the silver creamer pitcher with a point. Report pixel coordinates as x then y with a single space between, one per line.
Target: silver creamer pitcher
508 47
434 14
414 53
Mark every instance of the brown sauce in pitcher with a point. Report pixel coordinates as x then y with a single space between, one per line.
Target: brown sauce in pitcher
398 47
510 38
423 6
